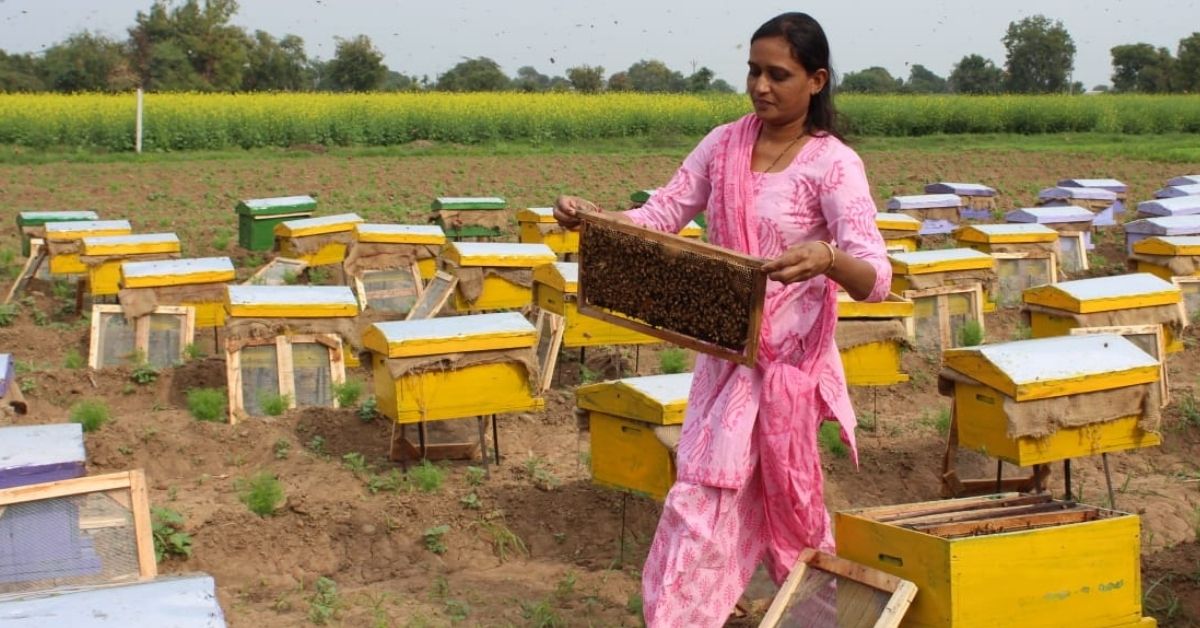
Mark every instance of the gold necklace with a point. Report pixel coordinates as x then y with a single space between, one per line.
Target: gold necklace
784 151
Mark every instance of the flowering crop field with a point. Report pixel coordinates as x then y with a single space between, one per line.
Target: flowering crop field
180 121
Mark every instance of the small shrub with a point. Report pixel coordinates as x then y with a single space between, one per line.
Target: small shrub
369 410
587 375
317 445
434 541
348 392
392 482
939 421
282 446
427 477
319 275
672 360
220 240
8 314
504 541
291 277
970 334
90 414
356 462
206 404
324 604
193 351
169 537
542 477
1189 409
830 437
143 373
471 501
274 404
262 493
541 615
73 359
475 475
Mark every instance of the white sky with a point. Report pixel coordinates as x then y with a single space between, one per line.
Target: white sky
430 36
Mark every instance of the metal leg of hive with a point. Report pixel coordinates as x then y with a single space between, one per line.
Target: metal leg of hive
496 439
397 446
624 503
999 476
421 438
1112 500
637 358
483 448
1067 477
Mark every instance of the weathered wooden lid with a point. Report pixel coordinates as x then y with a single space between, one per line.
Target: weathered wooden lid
894 306
1010 233
1105 294
317 226
179 601
894 221
499 254
137 244
79 229
1112 185
291 302
1175 191
171 272
34 218
1186 179
399 234
454 334
1187 224
40 445
940 261
1051 214
536 214
1062 193
659 399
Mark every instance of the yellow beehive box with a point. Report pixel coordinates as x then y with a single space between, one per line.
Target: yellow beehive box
1079 566
947 288
901 232
870 338
406 237
317 241
556 290
538 226
494 275
63 241
623 416
1026 255
1134 299
453 368
198 282
103 256
1037 401
1167 256
692 230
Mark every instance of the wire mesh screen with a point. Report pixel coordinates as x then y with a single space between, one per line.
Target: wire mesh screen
280 271
1015 275
961 310
116 345
710 296
312 373
67 541
260 376
434 297
165 339
927 322
391 291
825 600
1070 255
1191 299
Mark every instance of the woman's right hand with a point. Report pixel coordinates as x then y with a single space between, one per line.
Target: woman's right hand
567 208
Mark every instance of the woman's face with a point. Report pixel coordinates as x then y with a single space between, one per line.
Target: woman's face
779 87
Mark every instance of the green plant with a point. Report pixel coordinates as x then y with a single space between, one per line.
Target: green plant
356 462
90 414
470 501
8 314
206 404
220 239
634 604
325 603
939 421
143 373
565 586
392 482
541 615
427 477
830 437
587 375
475 476
368 411
193 351
434 539
169 537
317 445
348 392
73 359
1189 409
1022 332
62 289
970 334
672 360
538 471
319 275
27 385
458 610
281 448
262 493
273 404
504 541
290 277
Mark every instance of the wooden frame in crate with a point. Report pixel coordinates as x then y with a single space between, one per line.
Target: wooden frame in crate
1026 255
947 288
103 256
1189 288
556 290
1134 299
634 425
196 282
64 242
387 264
674 288
825 590
286 342
319 241
978 200
159 337
494 275
870 338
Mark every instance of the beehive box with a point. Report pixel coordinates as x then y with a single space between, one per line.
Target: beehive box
31 224
1074 227
692 230
639 197
316 241
1175 191
258 217
1112 185
471 217
494 275
870 338
1186 179
103 256
1168 226
623 416
978 200
1049 399
556 290
423 241
182 601
1134 299
33 454
1167 256
538 226
197 282
1099 201
1026 255
1063 564
901 232
455 367
947 288
938 213
64 241
1169 207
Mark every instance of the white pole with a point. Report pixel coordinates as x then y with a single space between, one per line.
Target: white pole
138 131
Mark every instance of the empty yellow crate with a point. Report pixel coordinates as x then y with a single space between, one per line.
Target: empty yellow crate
555 288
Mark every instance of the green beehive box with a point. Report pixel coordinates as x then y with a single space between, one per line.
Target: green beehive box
257 218
639 197
470 217
29 223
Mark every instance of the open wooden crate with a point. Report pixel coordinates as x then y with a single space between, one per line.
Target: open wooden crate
684 291
825 591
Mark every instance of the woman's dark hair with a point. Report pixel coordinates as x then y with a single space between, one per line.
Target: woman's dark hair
811 49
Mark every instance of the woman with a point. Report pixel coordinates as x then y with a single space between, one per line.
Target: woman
778 184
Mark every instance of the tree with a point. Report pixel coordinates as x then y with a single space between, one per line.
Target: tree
619 82
1187 65
700 81
189 46
397 82
654 76
721 86
1041 56
356 65
1142 68
86 62
975 75
530 80
278 65
923 81
20 73
474 75
586 78
873 80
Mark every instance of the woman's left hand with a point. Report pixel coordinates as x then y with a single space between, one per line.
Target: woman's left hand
800 262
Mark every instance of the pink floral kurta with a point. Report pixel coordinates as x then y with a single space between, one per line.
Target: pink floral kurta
749 478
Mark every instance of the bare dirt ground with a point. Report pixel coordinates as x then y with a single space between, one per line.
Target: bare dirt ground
538 544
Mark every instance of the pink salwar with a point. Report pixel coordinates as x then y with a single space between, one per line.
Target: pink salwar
749 483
